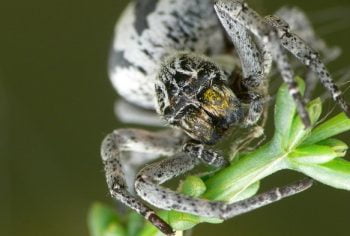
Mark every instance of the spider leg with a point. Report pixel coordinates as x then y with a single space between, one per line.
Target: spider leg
275 34
161 143
255 67
310 58
287 74
302 29
247 51
253 22
148 187
300 24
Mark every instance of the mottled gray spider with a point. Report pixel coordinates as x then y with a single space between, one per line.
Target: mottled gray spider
173 56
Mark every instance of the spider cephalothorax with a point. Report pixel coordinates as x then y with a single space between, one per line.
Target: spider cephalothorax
172 55
192 93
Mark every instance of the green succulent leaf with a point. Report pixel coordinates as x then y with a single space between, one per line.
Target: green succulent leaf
284 112
231 182
114 229
102 221
298 132
334 126
150 230
193 186
313 154
248 192
135 224
335 173
337 145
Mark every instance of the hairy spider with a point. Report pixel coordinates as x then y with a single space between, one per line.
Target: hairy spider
172 56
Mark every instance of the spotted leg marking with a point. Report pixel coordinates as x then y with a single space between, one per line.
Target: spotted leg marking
287 74
310 58
254 67
148 187
207 156
266 198
300 24
247 51
248 18
162 143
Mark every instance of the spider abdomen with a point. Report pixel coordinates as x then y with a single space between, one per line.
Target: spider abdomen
149 31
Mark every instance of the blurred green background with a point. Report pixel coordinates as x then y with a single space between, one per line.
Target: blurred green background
56 106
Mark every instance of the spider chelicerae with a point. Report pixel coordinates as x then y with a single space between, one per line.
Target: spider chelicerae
203 65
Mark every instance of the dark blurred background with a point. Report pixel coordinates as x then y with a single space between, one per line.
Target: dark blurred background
56 106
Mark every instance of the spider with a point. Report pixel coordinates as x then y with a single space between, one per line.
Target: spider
203 65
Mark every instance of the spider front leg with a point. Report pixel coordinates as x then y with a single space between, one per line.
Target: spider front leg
310 58
162 143
247 51
238 11
255 67
300 24
148 187
275 33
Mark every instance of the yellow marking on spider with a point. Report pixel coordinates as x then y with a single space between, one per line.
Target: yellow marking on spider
215 99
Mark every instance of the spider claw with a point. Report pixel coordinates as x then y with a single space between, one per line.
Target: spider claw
161 224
